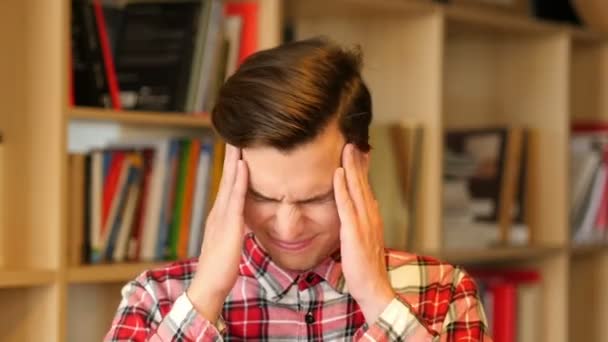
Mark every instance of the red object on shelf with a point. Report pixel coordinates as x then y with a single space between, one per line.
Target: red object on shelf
108 59
248 11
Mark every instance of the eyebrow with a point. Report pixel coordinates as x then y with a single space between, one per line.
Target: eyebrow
314 198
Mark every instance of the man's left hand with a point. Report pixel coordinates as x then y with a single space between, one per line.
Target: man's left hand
361 235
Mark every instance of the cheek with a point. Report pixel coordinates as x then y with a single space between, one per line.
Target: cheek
324 215
257 213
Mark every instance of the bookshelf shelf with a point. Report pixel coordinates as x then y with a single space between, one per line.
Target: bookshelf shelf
107 273
582 250
26 278
141 118
495 20
582 35
499 254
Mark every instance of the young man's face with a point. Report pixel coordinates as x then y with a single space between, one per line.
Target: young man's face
290 205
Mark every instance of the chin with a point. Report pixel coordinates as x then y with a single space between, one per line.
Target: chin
301 264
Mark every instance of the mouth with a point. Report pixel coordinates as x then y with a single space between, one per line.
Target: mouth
292 246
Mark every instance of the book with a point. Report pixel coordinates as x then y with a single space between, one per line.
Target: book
154 54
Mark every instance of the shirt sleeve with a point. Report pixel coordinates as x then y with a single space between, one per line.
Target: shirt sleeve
465 320
138 319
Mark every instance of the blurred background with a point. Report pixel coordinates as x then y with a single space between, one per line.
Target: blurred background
490 146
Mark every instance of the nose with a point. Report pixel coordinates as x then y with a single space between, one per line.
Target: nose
288 222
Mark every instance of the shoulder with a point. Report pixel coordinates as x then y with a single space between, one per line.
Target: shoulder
411 272
165 282
429 285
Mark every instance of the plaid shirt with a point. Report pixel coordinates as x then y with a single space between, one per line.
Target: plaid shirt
435 302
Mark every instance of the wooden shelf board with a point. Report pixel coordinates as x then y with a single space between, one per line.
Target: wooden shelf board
108 273
580 250
496 20
584 35
140 117
498 254
25 278
310 8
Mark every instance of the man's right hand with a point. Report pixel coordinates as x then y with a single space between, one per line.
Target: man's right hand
220 256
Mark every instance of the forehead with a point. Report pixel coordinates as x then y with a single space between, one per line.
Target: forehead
304 171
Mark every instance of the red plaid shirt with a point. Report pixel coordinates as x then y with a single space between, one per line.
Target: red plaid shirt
435 302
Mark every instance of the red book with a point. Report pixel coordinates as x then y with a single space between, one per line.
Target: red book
505 311
108 59
248 11
71 96
590 126
111 184
140 212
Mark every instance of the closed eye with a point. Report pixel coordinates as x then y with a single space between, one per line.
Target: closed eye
257 197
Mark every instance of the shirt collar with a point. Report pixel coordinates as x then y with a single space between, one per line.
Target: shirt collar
256 263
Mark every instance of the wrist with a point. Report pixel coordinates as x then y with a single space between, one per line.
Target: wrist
207 302
373 306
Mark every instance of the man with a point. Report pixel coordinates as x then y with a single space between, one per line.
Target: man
293 246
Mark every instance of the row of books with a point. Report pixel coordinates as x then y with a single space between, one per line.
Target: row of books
157 55
589 182
484 187
512 299
143 200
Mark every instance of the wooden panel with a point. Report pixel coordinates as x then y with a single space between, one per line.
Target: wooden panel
583 297
554 272
535 87
141 118
85 323
355 8
25 278
31 119
483 19
270 23
589 81
500 254
402 63
12 90
29 315
45 72
110 273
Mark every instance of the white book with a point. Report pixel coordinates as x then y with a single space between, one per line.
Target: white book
199 205
95 200
126 224
233 25
584 233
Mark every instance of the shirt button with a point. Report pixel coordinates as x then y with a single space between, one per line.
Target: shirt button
310 277
309 318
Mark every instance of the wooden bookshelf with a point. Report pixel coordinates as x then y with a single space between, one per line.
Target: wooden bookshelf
201 120
26 278
497 21
497 254
108 273
441 65
588 249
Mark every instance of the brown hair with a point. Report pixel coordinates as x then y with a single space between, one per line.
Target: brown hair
285 96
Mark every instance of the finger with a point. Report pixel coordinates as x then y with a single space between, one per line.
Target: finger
231 157
346 211
239 190
362 175
353 183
